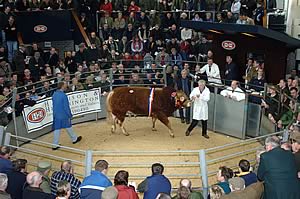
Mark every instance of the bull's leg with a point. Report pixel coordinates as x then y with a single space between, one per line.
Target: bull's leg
114 121
154 118
164 119
121 123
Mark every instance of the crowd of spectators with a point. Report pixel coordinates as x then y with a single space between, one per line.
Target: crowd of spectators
275 174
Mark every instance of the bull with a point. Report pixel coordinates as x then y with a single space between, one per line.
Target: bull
158 103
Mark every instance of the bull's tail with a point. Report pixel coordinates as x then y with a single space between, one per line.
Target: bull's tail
108 107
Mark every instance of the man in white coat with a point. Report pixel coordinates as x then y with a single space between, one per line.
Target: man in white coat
212 71
200 96
234 92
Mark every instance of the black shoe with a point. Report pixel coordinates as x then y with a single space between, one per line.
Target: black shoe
206 136
55 148
182 121
187 133
78 139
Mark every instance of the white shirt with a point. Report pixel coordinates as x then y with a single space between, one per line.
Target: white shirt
237 94
200 105
213 73
186 34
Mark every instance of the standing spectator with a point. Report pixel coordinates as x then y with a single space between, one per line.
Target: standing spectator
36 65
155 184
11 38
18 62
258 14
121 184
231 70
44 168
3 186
235 8
52 58
34 179
184 84
70 62
66 173
200 95
5 163
245 172
81 54
278 170
162 59
17 179
176 58
133 7
212 71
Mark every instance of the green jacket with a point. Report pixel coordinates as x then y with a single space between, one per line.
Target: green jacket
45 185
194 195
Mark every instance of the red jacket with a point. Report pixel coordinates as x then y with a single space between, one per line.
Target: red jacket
107 7
134 8
125 192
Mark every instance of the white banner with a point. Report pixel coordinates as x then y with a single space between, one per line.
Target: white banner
81 102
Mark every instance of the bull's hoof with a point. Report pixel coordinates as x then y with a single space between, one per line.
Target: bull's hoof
154 129
172 135
126 134
113 130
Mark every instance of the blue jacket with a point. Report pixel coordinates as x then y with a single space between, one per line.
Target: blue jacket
93 185
249 178
5 165
61 110
157 184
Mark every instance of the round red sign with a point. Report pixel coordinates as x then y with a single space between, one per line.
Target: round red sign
228 45
36 115
40 28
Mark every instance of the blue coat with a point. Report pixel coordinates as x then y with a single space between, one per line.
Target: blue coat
61 110
93 185
157 184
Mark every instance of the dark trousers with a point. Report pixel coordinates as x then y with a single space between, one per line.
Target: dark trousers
194 124
187 114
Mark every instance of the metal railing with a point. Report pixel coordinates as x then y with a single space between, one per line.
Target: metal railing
203 162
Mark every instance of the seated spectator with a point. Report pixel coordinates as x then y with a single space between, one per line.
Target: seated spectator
46 90
94 184
176 58
44 168
66 173
234 92
76 85
155 184
135 80
216 192
121 184
63 190
295 93
133 7
223 175
110 193
5 69
149 80
5 163
33 190
3 186
192 194
103 83
295 142
106 6
17 178
278 170
137 46
52 58
89 82
162 59
245 172
287 117
163 196
183 193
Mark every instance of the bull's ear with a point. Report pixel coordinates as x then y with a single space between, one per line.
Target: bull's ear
173 94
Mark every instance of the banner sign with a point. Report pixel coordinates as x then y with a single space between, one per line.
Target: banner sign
81 102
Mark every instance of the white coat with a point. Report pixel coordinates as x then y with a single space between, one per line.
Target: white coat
213 75
238 94
200 109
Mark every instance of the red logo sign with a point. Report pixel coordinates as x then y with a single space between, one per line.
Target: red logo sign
36 115
40 28
228 45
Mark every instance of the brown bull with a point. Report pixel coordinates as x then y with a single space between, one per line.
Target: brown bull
136 100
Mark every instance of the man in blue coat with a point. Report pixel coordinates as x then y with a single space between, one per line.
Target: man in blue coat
62 115
94 184
277 168
155 184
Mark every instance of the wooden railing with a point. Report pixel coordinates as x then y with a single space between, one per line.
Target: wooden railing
82 31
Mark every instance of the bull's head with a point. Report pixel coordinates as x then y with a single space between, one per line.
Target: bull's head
181 99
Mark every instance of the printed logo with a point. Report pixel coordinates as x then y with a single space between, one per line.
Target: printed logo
228 45
36 115
40 28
